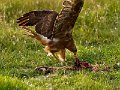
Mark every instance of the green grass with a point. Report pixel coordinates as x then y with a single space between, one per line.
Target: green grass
8 83
97 35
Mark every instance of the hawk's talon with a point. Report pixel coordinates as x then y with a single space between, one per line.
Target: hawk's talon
54 30
77 62
49 54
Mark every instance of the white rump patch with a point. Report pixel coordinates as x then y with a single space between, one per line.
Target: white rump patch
48 40
44 38
55 39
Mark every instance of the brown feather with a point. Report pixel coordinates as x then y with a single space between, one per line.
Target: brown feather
56 27
66 19
43 21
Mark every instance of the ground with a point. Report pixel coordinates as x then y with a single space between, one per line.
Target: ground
97 36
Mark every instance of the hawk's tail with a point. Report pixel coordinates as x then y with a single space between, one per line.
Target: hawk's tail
37 36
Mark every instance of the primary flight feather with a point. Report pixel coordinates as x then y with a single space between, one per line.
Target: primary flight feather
54 30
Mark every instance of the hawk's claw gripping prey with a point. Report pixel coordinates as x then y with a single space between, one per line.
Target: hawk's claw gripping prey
54 30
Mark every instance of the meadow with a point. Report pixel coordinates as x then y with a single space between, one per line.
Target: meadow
97 36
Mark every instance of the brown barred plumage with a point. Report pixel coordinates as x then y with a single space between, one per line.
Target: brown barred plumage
54 30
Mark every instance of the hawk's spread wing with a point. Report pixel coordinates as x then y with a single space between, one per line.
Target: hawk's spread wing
66 19
43 21
50 23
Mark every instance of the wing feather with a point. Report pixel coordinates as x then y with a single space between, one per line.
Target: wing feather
66 19
43 21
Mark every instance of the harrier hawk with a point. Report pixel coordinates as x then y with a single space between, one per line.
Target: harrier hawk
54 30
